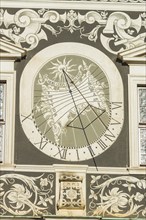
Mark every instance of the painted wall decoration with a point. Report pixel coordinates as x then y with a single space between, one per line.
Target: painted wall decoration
33 194
28 27
108 195
120 196
26 195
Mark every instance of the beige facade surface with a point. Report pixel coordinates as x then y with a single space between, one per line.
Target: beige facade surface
73 109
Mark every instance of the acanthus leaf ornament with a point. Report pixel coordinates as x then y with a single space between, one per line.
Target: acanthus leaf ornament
26 195
114 196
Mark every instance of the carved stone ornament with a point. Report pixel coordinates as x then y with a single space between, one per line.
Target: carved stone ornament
71 198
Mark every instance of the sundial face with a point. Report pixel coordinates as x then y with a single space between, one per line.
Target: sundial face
75 111
65 112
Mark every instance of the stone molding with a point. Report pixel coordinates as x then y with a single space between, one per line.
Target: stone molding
73 168
10 51
121 5
136 55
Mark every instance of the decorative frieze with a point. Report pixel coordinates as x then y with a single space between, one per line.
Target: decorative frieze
116 31
107 195
26 195
117 196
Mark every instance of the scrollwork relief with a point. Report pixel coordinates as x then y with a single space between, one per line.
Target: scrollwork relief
24 195
28 27
117 197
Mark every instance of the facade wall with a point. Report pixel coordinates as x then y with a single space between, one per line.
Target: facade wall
103 185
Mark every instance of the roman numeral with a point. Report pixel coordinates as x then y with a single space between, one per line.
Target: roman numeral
102 145
116 105
114 122
77 154
91 151
62 153
27 117
42 143
109 136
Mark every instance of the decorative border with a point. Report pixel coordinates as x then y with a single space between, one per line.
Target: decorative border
24 195
116 31
113 196
121 196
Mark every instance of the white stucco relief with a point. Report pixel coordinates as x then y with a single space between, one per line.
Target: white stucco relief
114 196
26 195
117 28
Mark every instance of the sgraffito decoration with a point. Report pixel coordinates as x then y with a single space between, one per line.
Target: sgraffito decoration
117 196
25 195
116 31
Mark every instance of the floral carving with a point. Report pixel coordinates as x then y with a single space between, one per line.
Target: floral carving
119 196
24 195
71 193
28 27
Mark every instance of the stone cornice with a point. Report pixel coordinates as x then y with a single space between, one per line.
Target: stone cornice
134 55
73 168
120 5
10 51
